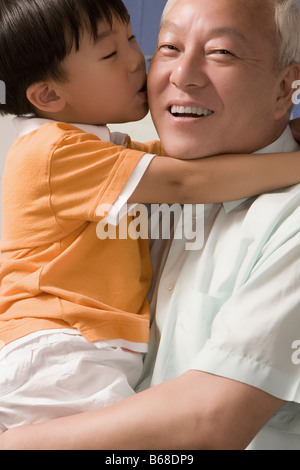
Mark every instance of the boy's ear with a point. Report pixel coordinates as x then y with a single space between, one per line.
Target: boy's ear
286 90
45 98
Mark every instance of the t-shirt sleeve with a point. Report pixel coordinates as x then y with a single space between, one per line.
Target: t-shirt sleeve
121 207
152 147
255 331
86 173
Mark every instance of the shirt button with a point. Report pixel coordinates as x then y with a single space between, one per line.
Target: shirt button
170 286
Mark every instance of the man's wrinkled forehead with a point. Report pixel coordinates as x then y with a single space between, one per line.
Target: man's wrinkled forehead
262 4
259 15
254 8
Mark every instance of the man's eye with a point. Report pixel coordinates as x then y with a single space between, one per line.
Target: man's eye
223 52
168 47
132 38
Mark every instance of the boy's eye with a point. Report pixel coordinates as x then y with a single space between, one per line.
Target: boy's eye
113 54
110 55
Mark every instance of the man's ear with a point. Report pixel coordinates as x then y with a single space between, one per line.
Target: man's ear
286 90
44 97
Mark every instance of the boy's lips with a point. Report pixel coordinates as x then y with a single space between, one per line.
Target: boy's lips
143 91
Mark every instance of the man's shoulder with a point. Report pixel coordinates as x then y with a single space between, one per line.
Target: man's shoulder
276 216
280 200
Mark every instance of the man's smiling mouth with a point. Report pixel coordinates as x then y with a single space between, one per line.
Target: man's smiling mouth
189 112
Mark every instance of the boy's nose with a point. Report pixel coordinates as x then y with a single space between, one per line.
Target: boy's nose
135 58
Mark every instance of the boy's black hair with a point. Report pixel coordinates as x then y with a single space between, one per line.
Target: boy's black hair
35 38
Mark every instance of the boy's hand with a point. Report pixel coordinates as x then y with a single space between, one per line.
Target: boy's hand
295 126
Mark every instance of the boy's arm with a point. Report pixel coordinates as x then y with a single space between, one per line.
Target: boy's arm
216 179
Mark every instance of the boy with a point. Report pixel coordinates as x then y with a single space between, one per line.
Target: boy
74 310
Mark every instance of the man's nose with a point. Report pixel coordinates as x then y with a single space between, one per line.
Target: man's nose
188 71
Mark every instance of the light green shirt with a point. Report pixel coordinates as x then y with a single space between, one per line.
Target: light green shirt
233 308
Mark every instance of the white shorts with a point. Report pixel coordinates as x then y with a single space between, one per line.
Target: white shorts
59 373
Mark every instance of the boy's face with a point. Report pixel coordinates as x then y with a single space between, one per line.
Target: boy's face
106 78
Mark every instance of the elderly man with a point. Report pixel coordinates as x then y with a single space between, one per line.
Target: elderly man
227 315
230 313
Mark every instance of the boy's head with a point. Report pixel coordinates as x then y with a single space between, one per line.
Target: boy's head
71 60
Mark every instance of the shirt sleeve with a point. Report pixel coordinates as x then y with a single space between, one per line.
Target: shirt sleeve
254 334
153 147
121 207
85 174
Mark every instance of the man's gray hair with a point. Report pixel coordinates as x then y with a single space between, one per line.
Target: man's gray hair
168 7
287 18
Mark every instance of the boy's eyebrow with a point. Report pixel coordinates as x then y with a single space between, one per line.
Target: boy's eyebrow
103 35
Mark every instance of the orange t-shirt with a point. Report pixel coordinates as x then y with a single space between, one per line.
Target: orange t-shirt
55 271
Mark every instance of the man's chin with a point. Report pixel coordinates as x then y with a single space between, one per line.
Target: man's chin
187 152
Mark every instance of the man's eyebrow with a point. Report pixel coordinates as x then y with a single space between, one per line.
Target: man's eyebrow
167 24
227 31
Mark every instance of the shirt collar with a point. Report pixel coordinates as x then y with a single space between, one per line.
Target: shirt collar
27 124
285 143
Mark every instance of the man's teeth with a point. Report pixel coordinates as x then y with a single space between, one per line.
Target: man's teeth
189 110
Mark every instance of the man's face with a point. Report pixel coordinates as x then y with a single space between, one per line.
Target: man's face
212 82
